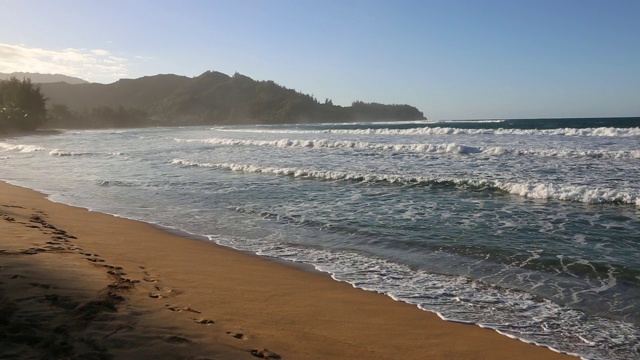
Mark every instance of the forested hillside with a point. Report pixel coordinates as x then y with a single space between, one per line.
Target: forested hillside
211 98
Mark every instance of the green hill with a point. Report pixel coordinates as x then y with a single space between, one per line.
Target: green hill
211 98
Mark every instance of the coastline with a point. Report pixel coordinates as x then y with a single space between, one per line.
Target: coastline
138 291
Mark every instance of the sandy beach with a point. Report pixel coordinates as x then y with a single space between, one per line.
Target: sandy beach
76 284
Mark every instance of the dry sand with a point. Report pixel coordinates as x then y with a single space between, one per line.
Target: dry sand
76 284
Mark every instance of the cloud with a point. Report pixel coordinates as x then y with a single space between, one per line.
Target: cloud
100 52
94 65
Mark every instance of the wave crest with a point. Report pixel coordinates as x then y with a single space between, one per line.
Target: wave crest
451 148
20 148
526 189
58 152
601 131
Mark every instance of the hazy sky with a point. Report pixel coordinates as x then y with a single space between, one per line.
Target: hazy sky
452 59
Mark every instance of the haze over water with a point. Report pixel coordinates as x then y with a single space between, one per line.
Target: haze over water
530 227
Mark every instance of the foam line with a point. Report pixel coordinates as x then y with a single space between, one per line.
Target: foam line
525 189
601 131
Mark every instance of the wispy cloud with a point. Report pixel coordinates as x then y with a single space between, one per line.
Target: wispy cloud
94 65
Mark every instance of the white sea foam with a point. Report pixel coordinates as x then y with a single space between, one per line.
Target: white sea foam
602 131
525 189
454 298
565 153
20 147
419 148
475 121
342 144
382 237
569 192
58 152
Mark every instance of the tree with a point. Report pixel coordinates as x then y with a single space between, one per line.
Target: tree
60 116
22 105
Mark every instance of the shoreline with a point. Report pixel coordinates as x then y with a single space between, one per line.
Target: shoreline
21 133
163 294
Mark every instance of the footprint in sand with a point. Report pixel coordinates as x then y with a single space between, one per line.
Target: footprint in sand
116 273
121 285
114 270
165 291
265 354
179 309
239 336
204 321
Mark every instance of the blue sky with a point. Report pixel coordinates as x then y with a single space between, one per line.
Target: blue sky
452 59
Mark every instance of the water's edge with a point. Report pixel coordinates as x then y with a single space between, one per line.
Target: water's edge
289 263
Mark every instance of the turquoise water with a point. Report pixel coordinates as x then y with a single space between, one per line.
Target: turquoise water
530 227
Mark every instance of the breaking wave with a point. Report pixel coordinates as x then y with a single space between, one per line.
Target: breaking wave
419 148
20 148
58 152
525 189
601 131
460 299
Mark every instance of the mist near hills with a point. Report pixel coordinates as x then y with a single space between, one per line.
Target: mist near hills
211 98
43 78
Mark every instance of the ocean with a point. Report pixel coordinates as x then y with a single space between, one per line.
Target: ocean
529 227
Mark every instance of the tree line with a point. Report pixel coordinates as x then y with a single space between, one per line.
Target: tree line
22 106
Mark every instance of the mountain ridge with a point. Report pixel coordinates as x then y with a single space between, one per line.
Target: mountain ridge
38 78
210 98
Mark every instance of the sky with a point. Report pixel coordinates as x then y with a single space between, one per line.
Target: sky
452 59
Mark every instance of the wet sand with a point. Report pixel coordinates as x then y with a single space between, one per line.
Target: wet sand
79 284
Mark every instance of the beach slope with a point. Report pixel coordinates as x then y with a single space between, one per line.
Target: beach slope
81 284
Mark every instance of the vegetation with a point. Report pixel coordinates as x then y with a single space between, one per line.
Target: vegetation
211 98
22 106
100 117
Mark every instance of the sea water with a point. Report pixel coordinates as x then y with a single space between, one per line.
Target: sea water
528 227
